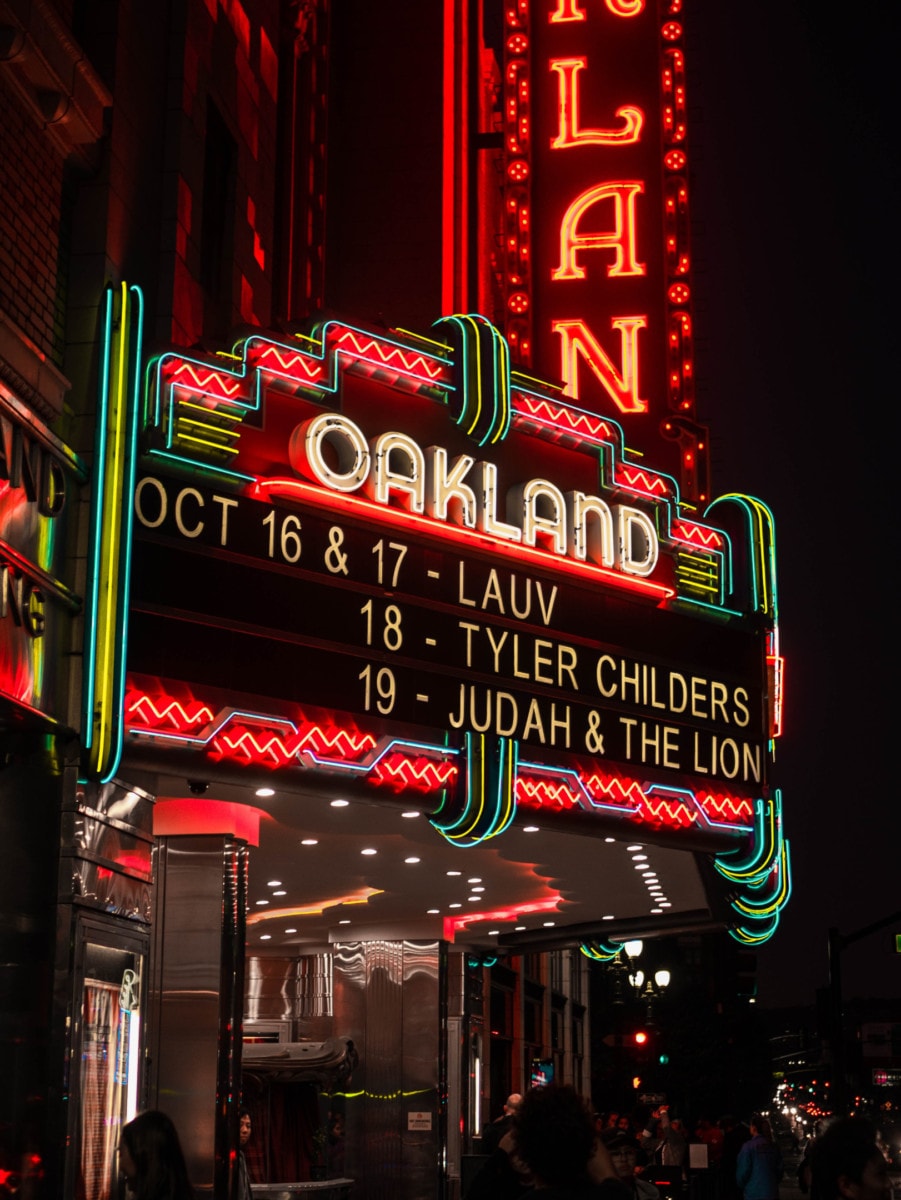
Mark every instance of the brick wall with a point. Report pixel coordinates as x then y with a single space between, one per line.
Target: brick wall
31 182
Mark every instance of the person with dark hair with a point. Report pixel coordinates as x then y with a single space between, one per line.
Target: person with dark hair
151 1159
847 1164
242 1178
759 1167
735 1134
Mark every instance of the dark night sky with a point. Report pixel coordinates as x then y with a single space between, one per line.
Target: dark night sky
795 199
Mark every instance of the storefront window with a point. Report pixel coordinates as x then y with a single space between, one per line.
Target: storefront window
111 1019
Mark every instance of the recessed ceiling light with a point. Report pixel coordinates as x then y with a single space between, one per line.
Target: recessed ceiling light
548 924
519 928
412 859
530 829
455 905
639 866
410 815
656 911
274 883
610 840
281 892
455 872
639 858
664 904
608 917
265 792
339 803
262 901
433 911
369 850
631 848
493 932
310 842
265 937
478 889
474 879
344 921
290 931
471 898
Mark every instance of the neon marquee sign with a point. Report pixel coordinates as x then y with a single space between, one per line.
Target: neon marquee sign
431 618
597 261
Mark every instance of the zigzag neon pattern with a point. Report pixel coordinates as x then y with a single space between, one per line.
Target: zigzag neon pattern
140 708
642 480
260 745
668 812
734 810
650 803
418 774
399 766
570 420
206 380
314 369
545 793
615 790
414 363
698 535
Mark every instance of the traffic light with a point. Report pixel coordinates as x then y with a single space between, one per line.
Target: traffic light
640 1041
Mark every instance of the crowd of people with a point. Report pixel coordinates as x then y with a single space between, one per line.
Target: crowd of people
550 1142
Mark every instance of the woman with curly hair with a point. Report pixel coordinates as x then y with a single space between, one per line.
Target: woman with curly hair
151 1159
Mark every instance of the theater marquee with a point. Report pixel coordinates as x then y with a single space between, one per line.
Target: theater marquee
395 558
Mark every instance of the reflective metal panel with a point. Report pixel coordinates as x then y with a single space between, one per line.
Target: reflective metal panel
298 990
388 998
197 995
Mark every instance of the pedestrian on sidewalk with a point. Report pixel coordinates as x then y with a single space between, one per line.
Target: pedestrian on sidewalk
759 1166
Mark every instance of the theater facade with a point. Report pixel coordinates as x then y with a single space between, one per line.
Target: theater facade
363 680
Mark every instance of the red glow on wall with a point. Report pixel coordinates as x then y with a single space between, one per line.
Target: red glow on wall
180 817
513 913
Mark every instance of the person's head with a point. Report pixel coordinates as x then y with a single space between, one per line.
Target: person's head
245 1125
151 1158
624 1124
761 1127
847 1164
555 1135
623 1154
511 1107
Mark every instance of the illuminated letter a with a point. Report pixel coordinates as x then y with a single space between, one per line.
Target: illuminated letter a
621 386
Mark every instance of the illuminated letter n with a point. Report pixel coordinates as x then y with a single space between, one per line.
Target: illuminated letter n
621 386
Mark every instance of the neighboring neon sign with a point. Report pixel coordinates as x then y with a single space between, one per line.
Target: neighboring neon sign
596 255
37 474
